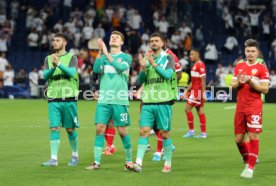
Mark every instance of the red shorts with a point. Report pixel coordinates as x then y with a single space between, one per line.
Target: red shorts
248 122
195 102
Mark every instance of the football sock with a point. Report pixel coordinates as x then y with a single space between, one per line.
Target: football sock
190 119
98 148
127 146
109 136
244 150
142 146
253 153
202 120
159 142
54 143
73 139
167 145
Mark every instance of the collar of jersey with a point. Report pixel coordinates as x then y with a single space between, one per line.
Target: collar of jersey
63 54
116 54
256 62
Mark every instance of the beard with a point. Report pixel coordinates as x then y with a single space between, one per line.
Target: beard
155 48
56 49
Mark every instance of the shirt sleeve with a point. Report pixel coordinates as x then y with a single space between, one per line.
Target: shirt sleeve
46 65
171 63
124 65
264 75
98 65
201 69
74 62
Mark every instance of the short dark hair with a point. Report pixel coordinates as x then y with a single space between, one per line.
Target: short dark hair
157 34
120 34
61 35
251 43
196 50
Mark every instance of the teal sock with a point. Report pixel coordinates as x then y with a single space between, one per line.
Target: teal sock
142 146
54 143
98 148
167 145
73 139
127 146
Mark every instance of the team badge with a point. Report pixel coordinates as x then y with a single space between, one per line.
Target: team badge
254 71
119 60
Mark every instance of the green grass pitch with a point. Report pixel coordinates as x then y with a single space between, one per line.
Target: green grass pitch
24 144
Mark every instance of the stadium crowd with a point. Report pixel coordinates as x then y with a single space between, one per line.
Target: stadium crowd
83 25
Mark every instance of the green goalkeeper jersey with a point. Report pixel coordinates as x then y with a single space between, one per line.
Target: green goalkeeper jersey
114 78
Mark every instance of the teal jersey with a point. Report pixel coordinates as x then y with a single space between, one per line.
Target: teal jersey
114 78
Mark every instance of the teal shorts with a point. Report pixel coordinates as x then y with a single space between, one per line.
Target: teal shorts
119 114
63 114
161 115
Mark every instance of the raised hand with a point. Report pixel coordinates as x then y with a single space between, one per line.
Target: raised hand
142 61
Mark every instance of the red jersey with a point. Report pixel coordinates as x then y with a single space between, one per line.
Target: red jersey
198 70
176 60
248 99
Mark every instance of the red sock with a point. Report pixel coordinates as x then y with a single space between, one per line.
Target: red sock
253 153
190 118
244 150
159 142
109 136
202 120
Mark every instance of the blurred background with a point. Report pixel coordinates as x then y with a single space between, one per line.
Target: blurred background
218 28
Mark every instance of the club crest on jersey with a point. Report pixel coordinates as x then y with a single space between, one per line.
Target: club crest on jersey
254 71
119 60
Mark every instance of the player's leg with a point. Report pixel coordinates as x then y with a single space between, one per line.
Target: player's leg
190 119
70 123
158 152
163 119
202 120
109 137
102 117
254 128
147 119
121 121
54 115
240 131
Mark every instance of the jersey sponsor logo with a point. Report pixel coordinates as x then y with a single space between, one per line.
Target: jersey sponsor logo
155 80
254 71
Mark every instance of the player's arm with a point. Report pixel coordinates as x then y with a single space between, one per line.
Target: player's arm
124 65
47 72
235 82
97 67
92 83
203 85
141 77
166 72
263 85
235 79
72 69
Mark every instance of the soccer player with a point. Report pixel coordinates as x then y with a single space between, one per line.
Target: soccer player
113 96
63 82
195 95
160 90
251 78
178 70
110 129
